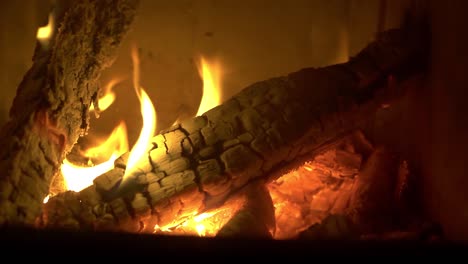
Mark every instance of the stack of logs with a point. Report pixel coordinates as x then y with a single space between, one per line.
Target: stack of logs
259 134
252 139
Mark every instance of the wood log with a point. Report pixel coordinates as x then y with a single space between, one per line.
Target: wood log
257 133
372 204
256 218
50 110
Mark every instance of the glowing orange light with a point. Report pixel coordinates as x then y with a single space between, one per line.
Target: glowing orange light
204 224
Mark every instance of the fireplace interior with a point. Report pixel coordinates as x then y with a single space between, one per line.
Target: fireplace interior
233 127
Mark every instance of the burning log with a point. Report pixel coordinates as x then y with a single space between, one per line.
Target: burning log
50 110
373 194
265 129
256 218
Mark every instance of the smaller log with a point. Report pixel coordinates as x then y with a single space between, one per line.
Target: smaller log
51 108
333 227
256 218
371 205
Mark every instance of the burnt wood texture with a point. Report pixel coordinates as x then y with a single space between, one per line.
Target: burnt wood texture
269 125
51 108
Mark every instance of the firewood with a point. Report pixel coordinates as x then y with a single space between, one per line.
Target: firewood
267 127
372 203
51 108
256 218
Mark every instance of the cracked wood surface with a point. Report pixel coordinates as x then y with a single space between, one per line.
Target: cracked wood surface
266 127
50 110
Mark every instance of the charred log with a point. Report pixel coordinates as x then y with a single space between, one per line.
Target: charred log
267 127
372 201
50 110
256 218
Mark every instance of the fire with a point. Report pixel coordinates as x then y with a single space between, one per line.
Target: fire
116 144
79 177
148 114
44 33
142 145
204 224
109 96
210 73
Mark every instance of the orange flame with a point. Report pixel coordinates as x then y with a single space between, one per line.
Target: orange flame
204 224
109 96
148 113
79 177
116 143
210 73
44 33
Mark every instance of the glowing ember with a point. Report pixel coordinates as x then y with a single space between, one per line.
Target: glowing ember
205 224
320 187
211 76
44 33
142 145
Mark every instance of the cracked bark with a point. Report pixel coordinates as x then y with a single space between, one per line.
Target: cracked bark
50 110
263 130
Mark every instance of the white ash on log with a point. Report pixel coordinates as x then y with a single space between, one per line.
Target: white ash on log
265 128
50 110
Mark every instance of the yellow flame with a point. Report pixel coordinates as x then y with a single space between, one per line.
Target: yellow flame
44 33
148 113
79 177
142 145
46 199
204 224
203 216
210 73
109 96
116 143
308 167
201 229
